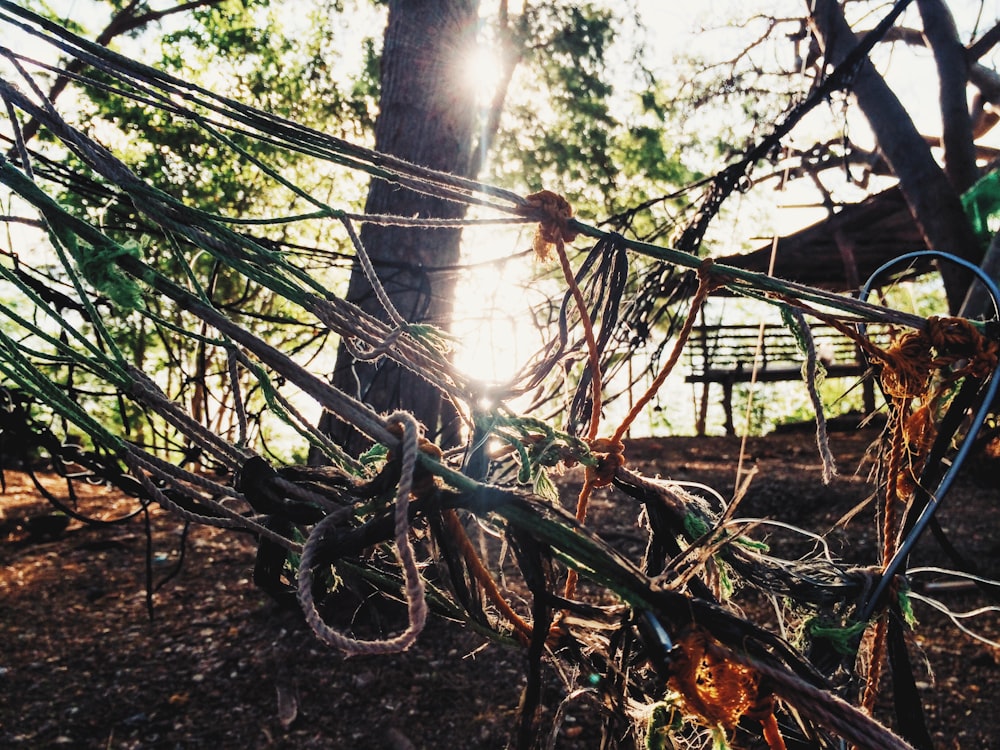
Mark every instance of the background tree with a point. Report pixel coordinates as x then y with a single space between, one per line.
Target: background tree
650 148
933 199
778 57
433 111
427 117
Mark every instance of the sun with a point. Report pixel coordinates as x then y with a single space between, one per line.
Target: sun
481 70
492 320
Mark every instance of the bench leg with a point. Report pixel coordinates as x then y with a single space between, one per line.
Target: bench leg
727 406
700 423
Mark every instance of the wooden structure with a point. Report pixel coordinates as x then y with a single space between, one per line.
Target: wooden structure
730 354
840 252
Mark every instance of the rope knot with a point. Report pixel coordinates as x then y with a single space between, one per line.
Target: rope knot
957 339
553 212
907 365
913 356
424 481
610 456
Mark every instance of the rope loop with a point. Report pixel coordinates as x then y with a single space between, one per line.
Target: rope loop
553 212
375 353
423 481
416 602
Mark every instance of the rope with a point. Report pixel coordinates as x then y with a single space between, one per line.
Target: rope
909 368
811 373
826 709
366 264
238 406
416 604
707 283
143 465
482 576
146 392
553 231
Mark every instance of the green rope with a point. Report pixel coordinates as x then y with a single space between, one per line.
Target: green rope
906 607
99 266
18 369
283 410
842 638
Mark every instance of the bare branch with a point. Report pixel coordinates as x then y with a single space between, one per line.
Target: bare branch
930 196
984 44
987 81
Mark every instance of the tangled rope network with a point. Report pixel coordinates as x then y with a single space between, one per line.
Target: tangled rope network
187 428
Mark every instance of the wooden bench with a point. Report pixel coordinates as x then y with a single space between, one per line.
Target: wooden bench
725 354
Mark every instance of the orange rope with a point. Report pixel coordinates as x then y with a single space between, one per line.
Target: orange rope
706 285
482 575
875 661
592 353
908 367
771 732
610 456
554 213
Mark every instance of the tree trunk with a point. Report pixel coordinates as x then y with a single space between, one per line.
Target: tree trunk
427 117
953 74
931 198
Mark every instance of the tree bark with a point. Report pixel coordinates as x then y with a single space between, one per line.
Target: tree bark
932 200
427 117
953 75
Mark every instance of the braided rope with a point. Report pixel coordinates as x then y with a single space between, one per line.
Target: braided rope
291 489
366 265
238 406
145 391
177 473
376 352
810 373
826 709
400 349
416 603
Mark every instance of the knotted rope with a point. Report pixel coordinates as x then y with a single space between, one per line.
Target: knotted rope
610 452
908 373
707 283
553 213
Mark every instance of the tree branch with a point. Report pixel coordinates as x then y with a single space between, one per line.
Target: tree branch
984 44
728 179
953 77
930 196
511 55
123 22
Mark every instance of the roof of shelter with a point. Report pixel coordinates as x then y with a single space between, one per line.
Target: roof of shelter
842 251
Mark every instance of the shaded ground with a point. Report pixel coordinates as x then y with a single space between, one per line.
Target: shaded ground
220 666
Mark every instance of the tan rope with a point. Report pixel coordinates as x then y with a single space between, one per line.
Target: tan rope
416 603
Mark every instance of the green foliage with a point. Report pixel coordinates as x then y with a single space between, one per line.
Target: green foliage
567 128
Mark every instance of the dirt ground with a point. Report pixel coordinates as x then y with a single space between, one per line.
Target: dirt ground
221 666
